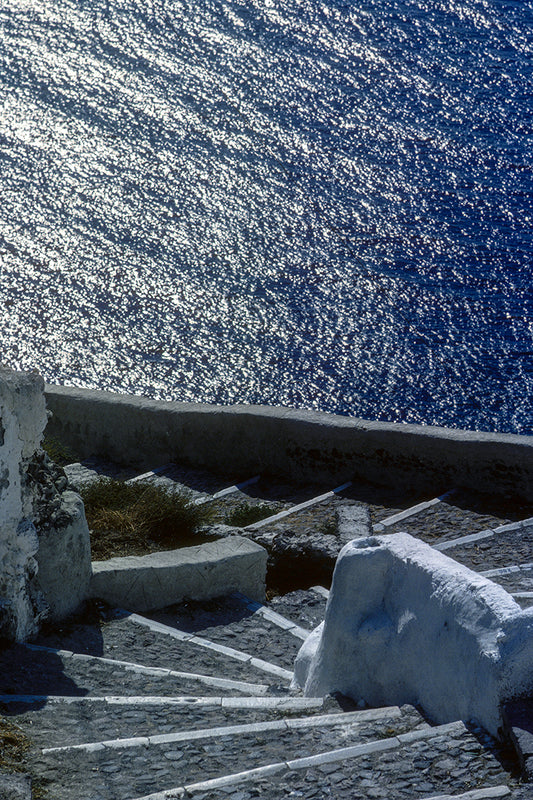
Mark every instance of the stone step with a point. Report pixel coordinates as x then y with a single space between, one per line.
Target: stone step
193 680
306 504
444 759
440 519
515 578
305 607
261 610
488 793
407 513
218 643
232 623
53 672
364 724
121 769
57 721
123 639
512 544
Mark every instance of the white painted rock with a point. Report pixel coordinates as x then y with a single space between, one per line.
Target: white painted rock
22 422
64 558
406 624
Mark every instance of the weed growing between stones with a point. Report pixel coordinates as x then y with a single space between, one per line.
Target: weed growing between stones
58 452
247 513
14 752
14 745
140 518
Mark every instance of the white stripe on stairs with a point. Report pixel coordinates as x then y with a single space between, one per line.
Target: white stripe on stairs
294 509
273 616
452 729
410 512
191 638
207 680
324 720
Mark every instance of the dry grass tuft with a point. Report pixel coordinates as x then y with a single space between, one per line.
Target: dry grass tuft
138 518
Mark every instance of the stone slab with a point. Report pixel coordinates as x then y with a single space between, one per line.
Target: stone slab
204 572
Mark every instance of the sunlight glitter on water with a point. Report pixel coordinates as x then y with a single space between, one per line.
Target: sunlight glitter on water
314 204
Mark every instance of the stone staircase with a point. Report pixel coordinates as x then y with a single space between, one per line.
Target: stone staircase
196 700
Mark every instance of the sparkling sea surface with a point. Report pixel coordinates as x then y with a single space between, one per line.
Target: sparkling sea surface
310 203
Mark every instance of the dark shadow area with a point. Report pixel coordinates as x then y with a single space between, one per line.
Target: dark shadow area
32 672
503 751
495 505
193 616
25 671
298 572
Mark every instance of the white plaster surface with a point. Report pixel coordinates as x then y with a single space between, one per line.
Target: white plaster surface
157 580
406 624
64 559
22 422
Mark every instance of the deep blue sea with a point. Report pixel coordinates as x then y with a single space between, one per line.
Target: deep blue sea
310 203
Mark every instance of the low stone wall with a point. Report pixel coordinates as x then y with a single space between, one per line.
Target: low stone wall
145 583
302 445
406 624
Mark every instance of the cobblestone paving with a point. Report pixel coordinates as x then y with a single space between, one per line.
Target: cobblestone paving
228 622
125 640
425 769
497 551
445 520
306 608
187 762
419 770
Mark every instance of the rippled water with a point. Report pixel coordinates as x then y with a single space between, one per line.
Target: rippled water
319 204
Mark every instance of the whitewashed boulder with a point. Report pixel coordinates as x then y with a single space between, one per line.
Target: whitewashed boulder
406 624
45 562
22 422
64 557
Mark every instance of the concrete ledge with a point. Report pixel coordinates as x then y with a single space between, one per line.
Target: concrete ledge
302 445
157 580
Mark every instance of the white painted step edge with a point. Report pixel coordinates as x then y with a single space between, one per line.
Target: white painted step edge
452 729
294 509
488 793
494 573
343 720
272 616
230 652
446 544
411 511
238 487
321 590
278 703
207 680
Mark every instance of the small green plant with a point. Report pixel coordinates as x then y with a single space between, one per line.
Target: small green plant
58 452
247 513
134 518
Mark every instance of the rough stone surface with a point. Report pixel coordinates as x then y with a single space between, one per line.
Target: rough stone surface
200 573
15 787
301 444
22 421
406 624
64 557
